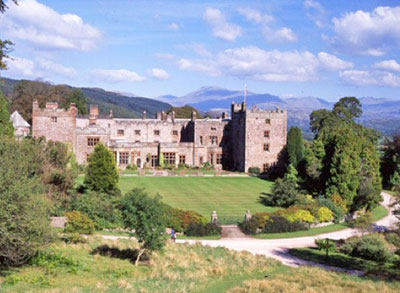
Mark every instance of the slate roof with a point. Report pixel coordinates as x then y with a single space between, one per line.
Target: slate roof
18 121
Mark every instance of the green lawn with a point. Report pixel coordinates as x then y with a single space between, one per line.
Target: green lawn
230 197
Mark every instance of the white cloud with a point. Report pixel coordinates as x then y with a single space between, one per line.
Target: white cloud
159 73
166 56
116 75
200 50
40 68
281 35
333 63
46 28
368 33
315 12
390 65
220 26
255 15
370 78
174 27
258 64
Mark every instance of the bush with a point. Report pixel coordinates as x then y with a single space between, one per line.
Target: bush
279 224
370 247
249 227
301 216
24 211
181 219
254 170
100 207
324 215
338 212
79 222
132 167
393 238
199 229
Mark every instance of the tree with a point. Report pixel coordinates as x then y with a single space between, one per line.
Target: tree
5 45
348 108
295 146
24 212
390 159
6 126
101 173
78 98
285 191
185 112
145 214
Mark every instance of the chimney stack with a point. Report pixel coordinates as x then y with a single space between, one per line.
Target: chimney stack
194 116
144 116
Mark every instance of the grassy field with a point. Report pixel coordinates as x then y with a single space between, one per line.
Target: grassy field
230 197
178 268
377 214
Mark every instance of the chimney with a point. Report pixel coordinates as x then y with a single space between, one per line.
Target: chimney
111 115
159 116
35 105
144 116
173 116
163 116
94 110
194 116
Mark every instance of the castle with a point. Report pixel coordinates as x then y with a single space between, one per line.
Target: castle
250 138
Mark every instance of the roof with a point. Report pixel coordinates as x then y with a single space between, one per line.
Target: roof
18 121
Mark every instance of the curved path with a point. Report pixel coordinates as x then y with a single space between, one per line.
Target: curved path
278 248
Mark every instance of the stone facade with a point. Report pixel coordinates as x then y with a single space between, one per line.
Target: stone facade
236 143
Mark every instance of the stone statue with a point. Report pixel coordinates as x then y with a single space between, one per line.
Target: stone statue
247 216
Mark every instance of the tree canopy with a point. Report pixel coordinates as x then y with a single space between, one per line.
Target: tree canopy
295 146
6 126
185 112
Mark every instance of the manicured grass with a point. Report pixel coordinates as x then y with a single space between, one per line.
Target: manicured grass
230 197
348 262
377 214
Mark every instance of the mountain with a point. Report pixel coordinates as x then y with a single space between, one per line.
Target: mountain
121 105
380 114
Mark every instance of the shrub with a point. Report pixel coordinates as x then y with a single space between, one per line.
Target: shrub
199 229
324 214
301 216
370 247
131 167
24 211
279 224
79 222
181 219
254 170
100 207
393 238
326 245
249 227
338 212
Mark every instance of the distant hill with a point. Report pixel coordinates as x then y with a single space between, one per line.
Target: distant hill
122 106
185 112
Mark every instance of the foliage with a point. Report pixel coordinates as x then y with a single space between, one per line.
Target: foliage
254 170
145 214
185 112
295 146
181 219
199 229
393 238
348 108
395 180
390 159
338 213
279 224
24 212
285 191
301 216
100 207
370 247
132 167
324 214
6 126
78 98
5 49
79 222
363 222
101 173
326 245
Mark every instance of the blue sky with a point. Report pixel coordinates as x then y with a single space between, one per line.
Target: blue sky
327 49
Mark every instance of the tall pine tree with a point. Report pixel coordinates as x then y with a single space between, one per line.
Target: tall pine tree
295 146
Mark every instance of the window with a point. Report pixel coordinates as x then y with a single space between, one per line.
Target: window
120 132
266 147
212 159
265 167
182 159
123 158
219 159
87 157
137 141
154 161
54 119
213 128
201 140
175 132
201 160
137 132
267 121
169 158
92 141
156 132
214 140
266 133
